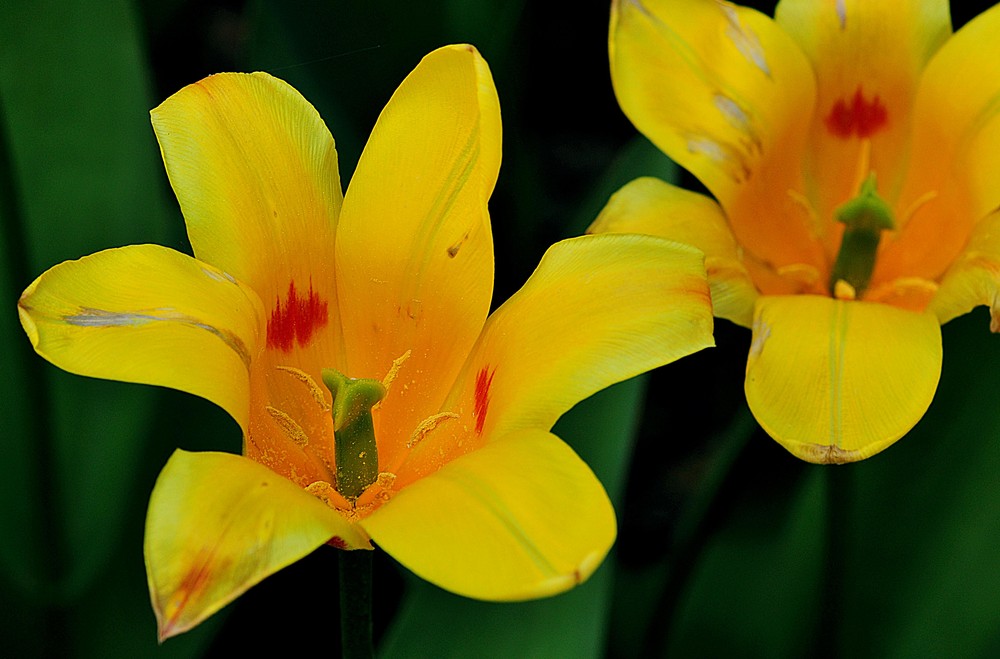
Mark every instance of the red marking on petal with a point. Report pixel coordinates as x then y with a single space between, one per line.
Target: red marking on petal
857 116
338 542
296 319
483 381
191 585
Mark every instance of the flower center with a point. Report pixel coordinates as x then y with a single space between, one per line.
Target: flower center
345 468
865 217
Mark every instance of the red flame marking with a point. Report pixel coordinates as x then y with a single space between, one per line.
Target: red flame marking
857 116
483 381
296 319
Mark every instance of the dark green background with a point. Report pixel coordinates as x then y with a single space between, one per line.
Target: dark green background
728 546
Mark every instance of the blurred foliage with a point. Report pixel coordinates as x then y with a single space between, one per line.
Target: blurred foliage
728 546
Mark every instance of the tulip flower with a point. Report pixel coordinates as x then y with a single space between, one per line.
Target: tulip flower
852 151
348 337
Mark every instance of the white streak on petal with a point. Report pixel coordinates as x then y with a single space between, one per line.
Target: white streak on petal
745 40
733 112
707 147
723 154
761 333
219 275
90 317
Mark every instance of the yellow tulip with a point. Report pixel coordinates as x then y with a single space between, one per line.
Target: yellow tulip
853 152
348 337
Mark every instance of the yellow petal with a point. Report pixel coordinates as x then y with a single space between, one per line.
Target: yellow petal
219 524
974 279
728 95
414 250
597 310
255 171
520 518
955 153
148 314
868 58
650 206
836 381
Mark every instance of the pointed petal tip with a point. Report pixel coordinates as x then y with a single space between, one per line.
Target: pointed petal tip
168 629
27 322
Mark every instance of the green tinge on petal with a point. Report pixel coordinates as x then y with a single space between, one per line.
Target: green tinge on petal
148 314
837 381
218 524
521 518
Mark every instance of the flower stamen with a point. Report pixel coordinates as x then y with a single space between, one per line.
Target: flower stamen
862 172
812 217
294 432
304 378
916 205
397 364
288 426
427 425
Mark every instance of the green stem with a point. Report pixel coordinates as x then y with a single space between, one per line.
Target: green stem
838 498
356 604
694 530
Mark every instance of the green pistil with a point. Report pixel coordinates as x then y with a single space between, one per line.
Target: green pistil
865 217
354 433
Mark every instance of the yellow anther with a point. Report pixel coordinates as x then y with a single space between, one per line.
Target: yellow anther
800 273
322 491
812 217
305 379
397 363
844 291
427 425
287 424
386 479
916 205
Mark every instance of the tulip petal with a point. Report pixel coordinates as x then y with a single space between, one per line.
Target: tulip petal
974 279
868 58
148 314
836 381
955 156
255 171
651 206
520 518
219 524
414 248
597 310
728 95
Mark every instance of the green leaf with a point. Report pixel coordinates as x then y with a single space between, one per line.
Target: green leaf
897 560
638 158
85 175
922 576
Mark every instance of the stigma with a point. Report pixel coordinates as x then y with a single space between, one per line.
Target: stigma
865 217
